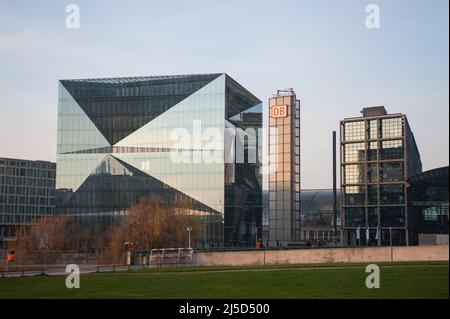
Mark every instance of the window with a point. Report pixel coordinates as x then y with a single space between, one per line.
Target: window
372 194
355 216
391 172
354 174
354 131
372 173
391 150
373 216
392 128
373 130
354 152
355 195
392 194
392 216
372 152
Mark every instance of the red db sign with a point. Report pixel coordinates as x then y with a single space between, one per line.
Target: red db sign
278 111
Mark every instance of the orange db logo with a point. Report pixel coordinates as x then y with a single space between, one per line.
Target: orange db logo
278 111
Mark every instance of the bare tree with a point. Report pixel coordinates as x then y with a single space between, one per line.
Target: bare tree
48 235
152 224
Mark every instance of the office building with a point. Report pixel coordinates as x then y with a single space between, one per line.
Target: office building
26 194
281 222
428 203
120 139
378 155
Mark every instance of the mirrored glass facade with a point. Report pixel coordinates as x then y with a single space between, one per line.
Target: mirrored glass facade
378 153
123 138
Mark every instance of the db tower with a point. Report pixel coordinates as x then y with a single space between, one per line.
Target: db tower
283 216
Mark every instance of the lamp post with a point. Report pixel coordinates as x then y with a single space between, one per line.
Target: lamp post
334 191
390 243
189 229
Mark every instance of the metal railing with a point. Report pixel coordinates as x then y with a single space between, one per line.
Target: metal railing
164 256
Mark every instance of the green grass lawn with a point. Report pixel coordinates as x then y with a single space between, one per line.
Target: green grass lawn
406 280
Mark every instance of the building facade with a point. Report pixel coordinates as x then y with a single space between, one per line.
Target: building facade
27 193
428 203
120 139
282 218
316 217
378 155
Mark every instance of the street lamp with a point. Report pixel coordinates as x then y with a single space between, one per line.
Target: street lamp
189 229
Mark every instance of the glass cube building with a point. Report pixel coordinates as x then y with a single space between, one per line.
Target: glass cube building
116 142
378 155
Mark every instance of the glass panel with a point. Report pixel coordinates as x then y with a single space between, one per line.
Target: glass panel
391 172
76 132
354 152
354 131
373 216
391 150
373 129
392 216
372 153
392 194
355 195
354 174
74 169
372 194
372 173
355 216
392 128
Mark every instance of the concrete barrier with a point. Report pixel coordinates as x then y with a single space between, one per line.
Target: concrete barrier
326 255
421 253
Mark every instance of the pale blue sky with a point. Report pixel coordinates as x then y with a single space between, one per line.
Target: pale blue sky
320 48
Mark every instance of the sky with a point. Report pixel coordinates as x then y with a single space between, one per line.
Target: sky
321 48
